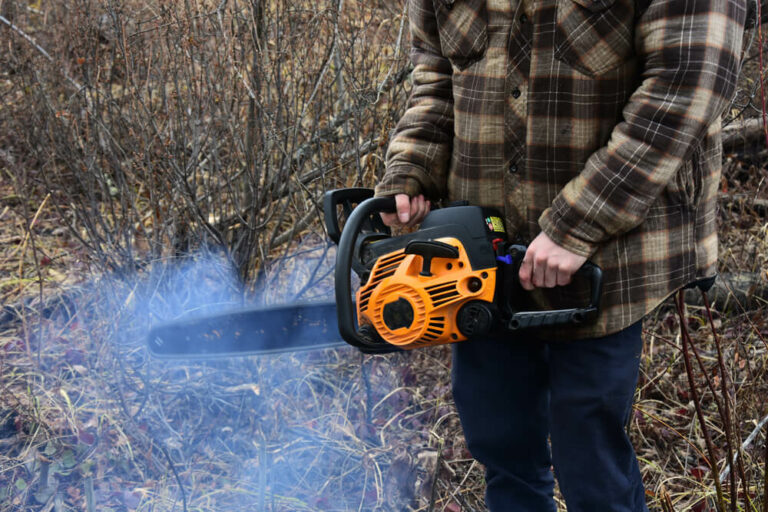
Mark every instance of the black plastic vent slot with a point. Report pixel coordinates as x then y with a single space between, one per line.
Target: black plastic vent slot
443 293
435 328
387 268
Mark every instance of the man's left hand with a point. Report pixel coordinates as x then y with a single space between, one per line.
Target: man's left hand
547 265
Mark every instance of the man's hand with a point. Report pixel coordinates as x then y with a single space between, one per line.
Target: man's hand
409 211
547 265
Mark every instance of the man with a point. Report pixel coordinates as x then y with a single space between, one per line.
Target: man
594 125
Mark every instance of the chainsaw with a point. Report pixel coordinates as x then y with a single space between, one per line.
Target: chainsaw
453 279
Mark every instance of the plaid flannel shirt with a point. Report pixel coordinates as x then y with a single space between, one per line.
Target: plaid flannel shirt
596 121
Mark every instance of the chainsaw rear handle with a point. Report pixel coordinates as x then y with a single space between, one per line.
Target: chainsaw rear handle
368 341
569 316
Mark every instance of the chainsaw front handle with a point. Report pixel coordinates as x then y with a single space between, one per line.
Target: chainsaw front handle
369 341
347 198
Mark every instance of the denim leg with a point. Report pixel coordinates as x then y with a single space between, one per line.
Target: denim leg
500 390
592 383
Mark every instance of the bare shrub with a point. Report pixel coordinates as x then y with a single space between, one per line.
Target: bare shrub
164 126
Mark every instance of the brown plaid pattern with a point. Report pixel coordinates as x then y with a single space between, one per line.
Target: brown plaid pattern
593 120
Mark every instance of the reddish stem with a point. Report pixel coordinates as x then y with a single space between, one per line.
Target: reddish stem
760 51
686 339
726 397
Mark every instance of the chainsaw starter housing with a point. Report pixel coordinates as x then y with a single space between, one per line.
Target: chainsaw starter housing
413 297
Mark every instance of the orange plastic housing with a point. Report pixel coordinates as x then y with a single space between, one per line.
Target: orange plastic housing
435 299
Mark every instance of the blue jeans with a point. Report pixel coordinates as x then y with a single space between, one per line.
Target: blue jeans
527 405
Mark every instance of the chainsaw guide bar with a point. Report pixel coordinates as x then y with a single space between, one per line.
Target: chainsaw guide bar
256 331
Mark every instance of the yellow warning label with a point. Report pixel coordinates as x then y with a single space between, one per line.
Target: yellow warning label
495 224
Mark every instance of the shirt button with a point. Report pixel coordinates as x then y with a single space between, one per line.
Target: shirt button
513 168
523 19
516 93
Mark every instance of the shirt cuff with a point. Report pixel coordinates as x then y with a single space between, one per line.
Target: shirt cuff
409 180
564 235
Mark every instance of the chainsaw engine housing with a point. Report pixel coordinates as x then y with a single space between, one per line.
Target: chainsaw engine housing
434 286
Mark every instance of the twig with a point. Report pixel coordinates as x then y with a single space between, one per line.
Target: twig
89 499
435 475
743 131
726 397
666 500
263 469
365 372
297 227
686 340
744 446
755 329
27 237
381 88
28 234
674 430
765 478
326 65
175 474
760 69
40 49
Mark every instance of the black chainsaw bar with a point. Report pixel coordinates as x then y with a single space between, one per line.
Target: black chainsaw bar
255 331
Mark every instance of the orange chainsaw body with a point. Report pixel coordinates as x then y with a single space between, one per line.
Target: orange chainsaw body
412 310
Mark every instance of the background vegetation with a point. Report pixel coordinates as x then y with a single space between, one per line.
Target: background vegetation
159 157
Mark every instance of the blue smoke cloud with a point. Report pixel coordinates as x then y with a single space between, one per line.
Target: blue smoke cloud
290 432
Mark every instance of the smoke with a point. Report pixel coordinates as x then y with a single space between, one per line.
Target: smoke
289 432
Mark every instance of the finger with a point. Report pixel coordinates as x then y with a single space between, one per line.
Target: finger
564 277
403 207
538 272
417 207
422 207
390 219
413 212
550 276
426 208
421 210
524 275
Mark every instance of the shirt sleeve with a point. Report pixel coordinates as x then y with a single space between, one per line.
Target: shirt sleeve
420 149
690 50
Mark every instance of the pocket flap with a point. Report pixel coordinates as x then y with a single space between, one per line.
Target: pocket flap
595 5
463 28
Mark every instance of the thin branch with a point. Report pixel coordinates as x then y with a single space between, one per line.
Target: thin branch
385 84
40 49
688 342
748 441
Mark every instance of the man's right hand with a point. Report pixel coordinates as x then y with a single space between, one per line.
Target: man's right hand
410 211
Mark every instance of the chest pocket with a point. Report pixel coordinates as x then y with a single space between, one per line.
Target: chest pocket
463 28
594 36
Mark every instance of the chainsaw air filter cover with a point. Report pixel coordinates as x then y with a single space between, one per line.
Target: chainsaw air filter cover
413 295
